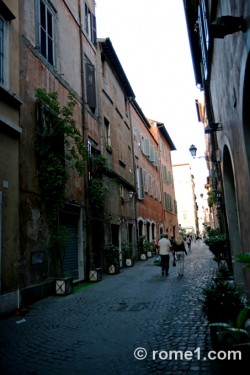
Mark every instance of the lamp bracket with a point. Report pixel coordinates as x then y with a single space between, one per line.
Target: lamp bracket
226 25
213 127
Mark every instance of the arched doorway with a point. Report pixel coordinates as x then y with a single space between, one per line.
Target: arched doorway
232 214
246 111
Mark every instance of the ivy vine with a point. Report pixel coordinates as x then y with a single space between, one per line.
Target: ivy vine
59 149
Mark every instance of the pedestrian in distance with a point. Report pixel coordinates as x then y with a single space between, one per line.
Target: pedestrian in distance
189 241
179 250
164 252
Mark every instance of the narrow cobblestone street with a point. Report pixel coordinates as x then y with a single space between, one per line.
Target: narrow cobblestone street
97 330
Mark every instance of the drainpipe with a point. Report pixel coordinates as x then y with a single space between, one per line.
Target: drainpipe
85 141
134 169
1 239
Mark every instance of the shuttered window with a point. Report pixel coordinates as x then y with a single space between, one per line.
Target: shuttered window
90 85
90 25
46 29
140 187
146 148
1 50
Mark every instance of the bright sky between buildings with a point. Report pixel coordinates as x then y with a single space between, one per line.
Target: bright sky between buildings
151 41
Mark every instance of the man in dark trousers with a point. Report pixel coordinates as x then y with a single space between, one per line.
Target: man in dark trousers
164 251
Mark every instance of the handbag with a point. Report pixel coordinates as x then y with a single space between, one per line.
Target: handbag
157 260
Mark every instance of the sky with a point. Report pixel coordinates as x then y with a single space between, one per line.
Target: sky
151 41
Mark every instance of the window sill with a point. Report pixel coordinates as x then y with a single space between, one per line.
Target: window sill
8 97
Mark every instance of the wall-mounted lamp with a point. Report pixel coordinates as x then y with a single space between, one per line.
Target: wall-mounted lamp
131 194
193 151
226 25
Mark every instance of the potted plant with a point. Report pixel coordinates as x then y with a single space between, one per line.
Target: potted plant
224 273
217 243
222 301
112 258
149 248
127 249
141 248
243 258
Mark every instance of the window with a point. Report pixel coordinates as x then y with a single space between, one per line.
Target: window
90 85
1 50
107 133
90 25
204 37
140 188
46 32
6 16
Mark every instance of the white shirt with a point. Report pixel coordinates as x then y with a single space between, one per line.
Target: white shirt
165 246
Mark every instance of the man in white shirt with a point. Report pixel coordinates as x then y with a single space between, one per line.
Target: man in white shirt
164 251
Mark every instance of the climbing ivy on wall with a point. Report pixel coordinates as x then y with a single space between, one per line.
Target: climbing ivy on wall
59 149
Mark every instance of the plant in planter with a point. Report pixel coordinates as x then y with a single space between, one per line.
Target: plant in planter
217 243
112 258
224 273
141 248
97 188
222 301
149 248
243 258
127 249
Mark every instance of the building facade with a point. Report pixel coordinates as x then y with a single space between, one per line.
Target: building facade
10 132
186 198
219 42
68 104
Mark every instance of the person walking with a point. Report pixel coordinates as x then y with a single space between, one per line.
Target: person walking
189 241
179 250
164 252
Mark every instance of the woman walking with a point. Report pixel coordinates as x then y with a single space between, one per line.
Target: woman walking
179 250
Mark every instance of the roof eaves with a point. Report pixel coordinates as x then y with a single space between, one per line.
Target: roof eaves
163 130
108 50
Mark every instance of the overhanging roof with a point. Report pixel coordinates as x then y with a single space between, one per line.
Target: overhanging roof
110 54
163 130
191 15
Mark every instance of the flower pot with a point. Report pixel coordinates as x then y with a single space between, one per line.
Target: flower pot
129 262
64 286
95 275
114 269
149 254
143 256
214 329
231 336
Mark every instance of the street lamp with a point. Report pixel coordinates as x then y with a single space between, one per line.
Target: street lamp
131 194
193 151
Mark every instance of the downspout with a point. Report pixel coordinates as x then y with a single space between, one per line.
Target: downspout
1 240
135 176
85 142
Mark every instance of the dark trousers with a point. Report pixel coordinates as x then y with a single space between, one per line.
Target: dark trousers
165 264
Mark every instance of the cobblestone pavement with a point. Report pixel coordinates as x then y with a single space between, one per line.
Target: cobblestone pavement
96 331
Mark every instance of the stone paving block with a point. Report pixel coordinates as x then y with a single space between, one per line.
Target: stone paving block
97 330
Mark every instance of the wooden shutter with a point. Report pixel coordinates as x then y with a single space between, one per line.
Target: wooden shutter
146 148
93 35
90 85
